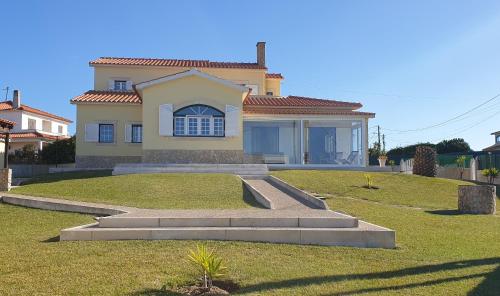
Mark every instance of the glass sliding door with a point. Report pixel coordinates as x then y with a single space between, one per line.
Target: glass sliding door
273 142
265 139
322 145
335 142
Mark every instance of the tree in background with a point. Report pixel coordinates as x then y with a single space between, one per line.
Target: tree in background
457 145
405 152
60 151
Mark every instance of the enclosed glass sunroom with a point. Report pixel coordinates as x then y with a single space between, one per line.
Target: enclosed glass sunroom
305 142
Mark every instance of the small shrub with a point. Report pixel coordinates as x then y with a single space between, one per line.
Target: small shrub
392 163
369 182
491 174
209 264
460 161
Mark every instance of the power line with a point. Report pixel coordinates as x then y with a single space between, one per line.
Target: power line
447 121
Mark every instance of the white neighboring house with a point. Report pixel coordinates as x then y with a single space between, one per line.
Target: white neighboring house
32 126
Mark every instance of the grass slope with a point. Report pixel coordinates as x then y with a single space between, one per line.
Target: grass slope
397 189
439 253
157 191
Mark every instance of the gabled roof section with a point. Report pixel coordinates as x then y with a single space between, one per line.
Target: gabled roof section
192 72
7 105
105 96
173 63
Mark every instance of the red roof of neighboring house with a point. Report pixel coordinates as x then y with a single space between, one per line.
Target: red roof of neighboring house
104 96
33 135
274 75
296 101
6 123
7 105
173 63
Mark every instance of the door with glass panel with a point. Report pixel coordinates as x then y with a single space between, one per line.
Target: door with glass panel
322 145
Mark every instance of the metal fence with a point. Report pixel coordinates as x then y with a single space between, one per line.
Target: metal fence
485 159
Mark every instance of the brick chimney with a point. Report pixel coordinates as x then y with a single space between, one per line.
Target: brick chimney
261 53
16 99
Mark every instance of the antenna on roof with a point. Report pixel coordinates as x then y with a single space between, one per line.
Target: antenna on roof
6 92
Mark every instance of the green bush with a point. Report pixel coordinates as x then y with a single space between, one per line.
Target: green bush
60 151
491 174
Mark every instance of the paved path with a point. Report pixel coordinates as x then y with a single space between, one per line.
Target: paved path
279 199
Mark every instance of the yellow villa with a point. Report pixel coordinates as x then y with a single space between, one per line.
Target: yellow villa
198 111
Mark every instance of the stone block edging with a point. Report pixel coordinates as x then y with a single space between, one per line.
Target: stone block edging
477 199
259 197
63 205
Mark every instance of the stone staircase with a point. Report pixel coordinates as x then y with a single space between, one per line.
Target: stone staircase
307 227
143 168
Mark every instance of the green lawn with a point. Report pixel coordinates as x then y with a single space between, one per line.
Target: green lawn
155 191
439 253
398 189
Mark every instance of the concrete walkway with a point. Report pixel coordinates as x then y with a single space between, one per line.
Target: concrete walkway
279 199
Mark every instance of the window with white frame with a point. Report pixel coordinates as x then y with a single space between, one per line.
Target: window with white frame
46 126
180 126
106 133
218 126
136 133
120 85
498 139
199 121
60 129
31 123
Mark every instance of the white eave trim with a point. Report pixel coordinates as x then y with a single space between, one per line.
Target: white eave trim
195 72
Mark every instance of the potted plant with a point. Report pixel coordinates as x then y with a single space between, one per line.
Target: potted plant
382 159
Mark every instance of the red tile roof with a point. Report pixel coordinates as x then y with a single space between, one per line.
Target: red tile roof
274 75
251 105
303 111
7 105
4 123
296 101
300 105
98 96
173 63
34 135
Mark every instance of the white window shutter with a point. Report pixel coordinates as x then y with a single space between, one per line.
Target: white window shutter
128 133
111 84
166 120
91 132
232 126
129 85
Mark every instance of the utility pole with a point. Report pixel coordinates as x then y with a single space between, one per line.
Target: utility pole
378 133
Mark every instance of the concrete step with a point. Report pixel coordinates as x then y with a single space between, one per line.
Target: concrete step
228 221
239 169
365 235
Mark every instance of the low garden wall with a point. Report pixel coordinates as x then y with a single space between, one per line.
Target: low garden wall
454 173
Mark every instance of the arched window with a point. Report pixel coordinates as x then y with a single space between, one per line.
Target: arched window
199 121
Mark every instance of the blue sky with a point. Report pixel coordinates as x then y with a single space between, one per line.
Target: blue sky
413 63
